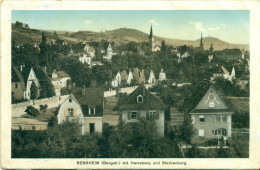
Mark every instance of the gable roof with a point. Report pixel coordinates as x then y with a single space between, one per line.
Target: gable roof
200 94
91 96
150 101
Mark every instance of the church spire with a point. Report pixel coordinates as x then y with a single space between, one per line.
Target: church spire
201 43
151 32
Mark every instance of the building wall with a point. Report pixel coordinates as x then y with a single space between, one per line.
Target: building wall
64 113
211 124
17 92
98 124
143 114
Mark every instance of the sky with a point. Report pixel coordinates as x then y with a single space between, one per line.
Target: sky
228 25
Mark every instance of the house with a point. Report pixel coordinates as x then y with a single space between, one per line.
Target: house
139 76
230 54
87 107
210 57
117 80
23 78
185 55
59 80
210 114
222 72
84 58
18 84
89 50
142 104
130 77
61 42
108 52
151 79
162 75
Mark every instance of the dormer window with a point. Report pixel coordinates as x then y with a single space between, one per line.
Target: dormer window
140 99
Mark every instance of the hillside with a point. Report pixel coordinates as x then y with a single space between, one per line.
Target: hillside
122 35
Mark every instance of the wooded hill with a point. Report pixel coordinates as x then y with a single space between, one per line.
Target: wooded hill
119 36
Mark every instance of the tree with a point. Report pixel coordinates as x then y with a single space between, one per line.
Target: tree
34 91
187 130
30 110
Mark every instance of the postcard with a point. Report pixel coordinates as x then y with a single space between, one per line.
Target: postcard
130 84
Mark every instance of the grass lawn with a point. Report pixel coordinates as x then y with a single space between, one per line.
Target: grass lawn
43 116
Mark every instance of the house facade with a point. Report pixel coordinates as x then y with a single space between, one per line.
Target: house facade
130 77
223 72
18 86
84 58
87 108
211 116
117 80
142 104
89 50
162 75
151 79
108 52
59 80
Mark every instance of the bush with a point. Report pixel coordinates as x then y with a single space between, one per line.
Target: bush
30 110
43 108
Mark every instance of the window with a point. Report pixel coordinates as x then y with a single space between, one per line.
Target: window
16 85
224 118
140 99
92 111
71 110
220 132
202 118
201 133
133 115
70 100
218 118
221 118
152 115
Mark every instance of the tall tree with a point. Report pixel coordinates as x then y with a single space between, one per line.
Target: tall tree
34 91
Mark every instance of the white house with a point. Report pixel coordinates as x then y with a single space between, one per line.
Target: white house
130 77
222 72
31 78
89 50
108 52
117 80
59 80
162 75
210 114
184 55
151 79
84 58
87 108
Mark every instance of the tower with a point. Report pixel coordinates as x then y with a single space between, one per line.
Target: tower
201 44
151 39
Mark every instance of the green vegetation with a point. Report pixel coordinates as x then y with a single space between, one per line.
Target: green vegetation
137 140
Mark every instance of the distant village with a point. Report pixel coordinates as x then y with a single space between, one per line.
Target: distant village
101 83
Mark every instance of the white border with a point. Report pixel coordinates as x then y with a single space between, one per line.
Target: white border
252 162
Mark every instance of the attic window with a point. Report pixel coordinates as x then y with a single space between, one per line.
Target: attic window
140 99
70 100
